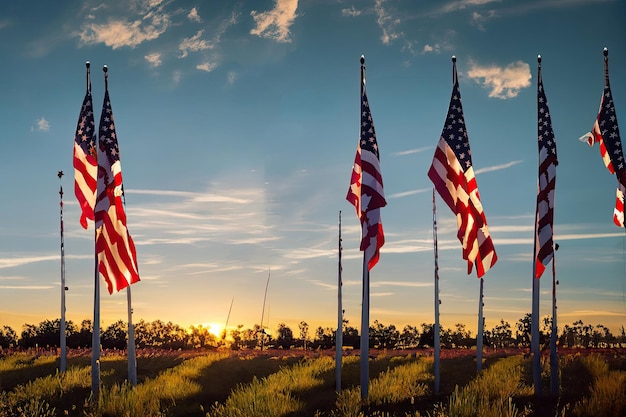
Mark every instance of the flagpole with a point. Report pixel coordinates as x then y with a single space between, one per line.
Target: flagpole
339 335
63 361
481 329
436 332
95 338
534 322
554 355
365 306
132 352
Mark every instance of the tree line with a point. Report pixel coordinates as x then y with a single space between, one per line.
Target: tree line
161 335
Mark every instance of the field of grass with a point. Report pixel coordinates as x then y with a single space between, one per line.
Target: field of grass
291 383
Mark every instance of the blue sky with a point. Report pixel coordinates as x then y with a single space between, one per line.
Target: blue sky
238 123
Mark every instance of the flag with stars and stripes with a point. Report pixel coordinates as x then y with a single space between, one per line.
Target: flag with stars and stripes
366 192
453 177
605 132
117 258
544 216
85 163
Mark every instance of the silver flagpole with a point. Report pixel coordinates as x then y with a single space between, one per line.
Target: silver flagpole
63 361
132 353
437 301
554 355
95 337
365 306
534 321
481 329
339 335
263 312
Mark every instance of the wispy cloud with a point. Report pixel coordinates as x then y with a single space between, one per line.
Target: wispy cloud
276 23
194 16
15 261
497 167
502 82
43 125
352 11
232 77
207 66
464 4
413 151
387 22
154 59
193 44
147 22
26 287
408 193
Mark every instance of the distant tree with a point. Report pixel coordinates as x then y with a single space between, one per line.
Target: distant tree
501 336
304 333
81 338
235 334
461 337
324 338
8 337
284 337
383 337
351 337
409 338
524 326
427 336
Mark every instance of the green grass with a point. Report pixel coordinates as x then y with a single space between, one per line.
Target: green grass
224 385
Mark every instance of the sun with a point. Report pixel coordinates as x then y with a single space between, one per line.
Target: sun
215 329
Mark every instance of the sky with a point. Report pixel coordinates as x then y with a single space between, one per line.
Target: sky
238 122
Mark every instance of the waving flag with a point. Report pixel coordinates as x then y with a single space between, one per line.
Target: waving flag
453 177
85 164
544 232
117 258
606 132
366 186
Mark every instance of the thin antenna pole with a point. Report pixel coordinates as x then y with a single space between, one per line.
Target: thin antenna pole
534 322
436 332
229 310
339 336
365 306
269 271
62 332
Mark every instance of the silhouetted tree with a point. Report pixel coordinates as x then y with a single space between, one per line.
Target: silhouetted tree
8 337
409 338
304 333
284 337
115 336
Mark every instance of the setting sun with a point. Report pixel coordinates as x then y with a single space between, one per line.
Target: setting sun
215 329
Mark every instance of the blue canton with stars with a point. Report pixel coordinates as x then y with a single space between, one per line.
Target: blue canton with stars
607 120
107 137
546 135
454 132
368 134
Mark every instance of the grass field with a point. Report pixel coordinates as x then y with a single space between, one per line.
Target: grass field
294 383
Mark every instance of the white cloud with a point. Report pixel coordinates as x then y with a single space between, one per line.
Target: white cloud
502 82
194 16
463 4
207 66
147 23
479 19
154 59
274 24
408 193
352 11
232 77
387 23
412 151
497 167
193 44
43 125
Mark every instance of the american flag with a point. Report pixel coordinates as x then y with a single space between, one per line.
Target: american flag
453 177
85 163
366 186
117 258
544 243
606 132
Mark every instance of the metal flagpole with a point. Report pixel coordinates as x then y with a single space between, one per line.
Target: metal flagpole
132 353
481 328
95 337
63 362
339 334
554 355
534 322
365 306
437 300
